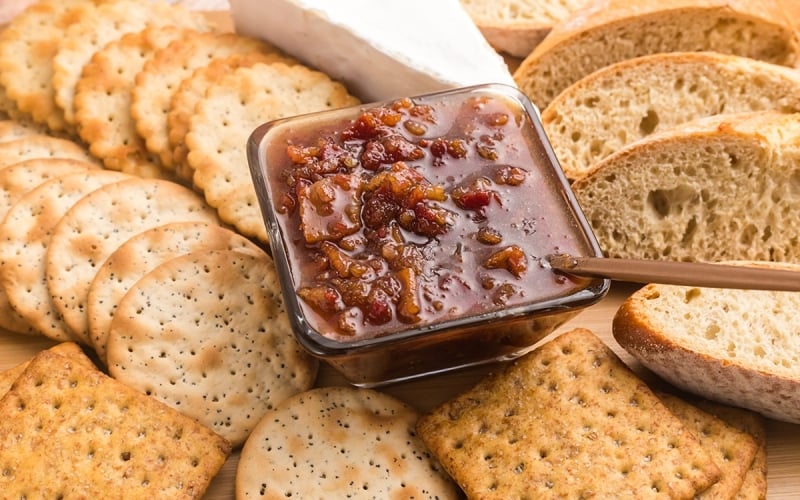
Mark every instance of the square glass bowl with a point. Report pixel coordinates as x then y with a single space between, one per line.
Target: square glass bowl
411 236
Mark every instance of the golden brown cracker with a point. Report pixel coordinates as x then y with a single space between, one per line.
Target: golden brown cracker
754 485
11 130
27 47
41 146
99 223
140 255
568 419
207 334
103 100
192 90
731 449
162 75
15 181
102 24
24 238
66 349
226 117
70 431
340 442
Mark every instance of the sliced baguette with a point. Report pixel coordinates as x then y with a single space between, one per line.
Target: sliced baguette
738 347
725 187
624 102
517 26
610 31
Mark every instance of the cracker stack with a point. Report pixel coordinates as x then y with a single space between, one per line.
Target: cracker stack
571 420
155 91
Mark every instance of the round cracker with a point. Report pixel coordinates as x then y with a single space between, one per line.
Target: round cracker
207 334
11 130
162 75
192 90
339 442
8 108
27 47
103 100
97 225
229 113
15 181
140 255
41 146
102 24
24 238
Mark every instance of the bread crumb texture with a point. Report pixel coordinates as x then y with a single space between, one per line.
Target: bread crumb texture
720 188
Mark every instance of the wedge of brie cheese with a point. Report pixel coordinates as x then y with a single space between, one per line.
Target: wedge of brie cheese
378 49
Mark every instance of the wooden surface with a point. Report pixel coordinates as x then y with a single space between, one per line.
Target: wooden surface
783 438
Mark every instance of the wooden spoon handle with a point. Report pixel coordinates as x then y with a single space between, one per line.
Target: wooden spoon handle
679 273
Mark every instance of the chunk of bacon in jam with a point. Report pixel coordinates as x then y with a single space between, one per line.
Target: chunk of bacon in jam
404 195
330 208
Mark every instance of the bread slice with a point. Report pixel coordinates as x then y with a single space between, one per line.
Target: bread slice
629 100
614 30
517 26
738 347
718 188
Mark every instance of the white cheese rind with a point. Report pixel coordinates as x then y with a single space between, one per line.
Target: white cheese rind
379 50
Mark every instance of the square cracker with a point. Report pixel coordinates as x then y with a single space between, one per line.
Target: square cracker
731 449
70 431
67 349
754 484
567 420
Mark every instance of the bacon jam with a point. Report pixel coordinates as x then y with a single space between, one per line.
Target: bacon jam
412 214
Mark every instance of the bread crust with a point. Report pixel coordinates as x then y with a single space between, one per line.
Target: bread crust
714 377
518 40
604 17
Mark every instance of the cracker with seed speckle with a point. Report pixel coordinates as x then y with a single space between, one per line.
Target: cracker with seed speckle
24 238
731 449
106 22
8 108
70 431
103 100
192 90
567 420
340 442
97 225
227 116
162 75
11 130
207 334
16 180
41 146
140 255
27 47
